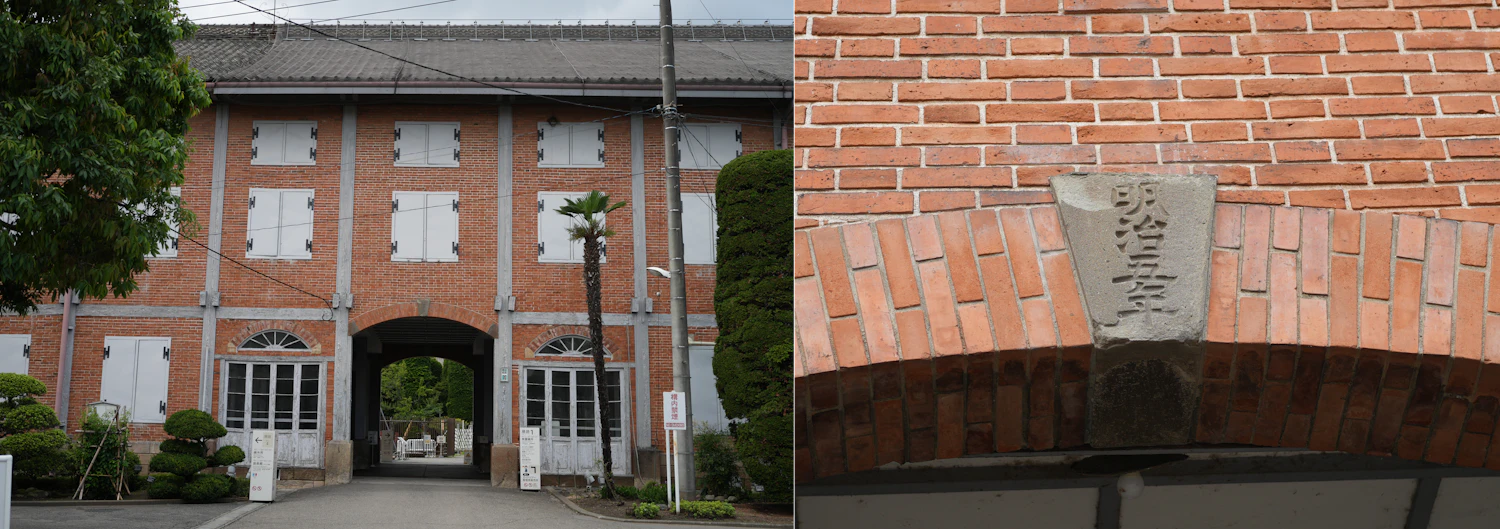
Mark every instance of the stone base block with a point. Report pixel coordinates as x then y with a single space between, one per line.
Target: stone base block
653 466
505 466
338 462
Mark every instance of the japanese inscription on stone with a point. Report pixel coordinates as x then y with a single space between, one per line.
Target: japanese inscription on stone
1143 225
1140 245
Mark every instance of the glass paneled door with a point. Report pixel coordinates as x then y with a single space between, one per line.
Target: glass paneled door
280 397
564 403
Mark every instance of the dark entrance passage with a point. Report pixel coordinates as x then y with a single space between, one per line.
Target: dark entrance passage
413 434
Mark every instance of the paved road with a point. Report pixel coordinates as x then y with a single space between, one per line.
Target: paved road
371 502
163 515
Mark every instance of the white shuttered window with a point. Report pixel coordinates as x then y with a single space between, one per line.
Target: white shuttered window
424 144
553 243
700 228
168 248
135 375
570 145
708 145
15 353
280 225
284 143
424 226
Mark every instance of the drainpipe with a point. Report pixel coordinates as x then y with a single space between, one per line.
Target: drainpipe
65 356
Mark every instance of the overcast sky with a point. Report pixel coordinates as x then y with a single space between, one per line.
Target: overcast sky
750 11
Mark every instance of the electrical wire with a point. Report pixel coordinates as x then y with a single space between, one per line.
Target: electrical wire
379 12
253 12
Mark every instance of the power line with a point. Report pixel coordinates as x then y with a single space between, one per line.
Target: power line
419 65
379 12
252 269
253 12
206 5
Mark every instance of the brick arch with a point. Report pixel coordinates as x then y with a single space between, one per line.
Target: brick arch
543 337
963 332
254 327
487 324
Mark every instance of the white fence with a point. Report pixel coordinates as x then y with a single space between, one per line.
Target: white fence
463 438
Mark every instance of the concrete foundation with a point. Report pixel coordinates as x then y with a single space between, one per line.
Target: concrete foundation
338 462
505 466
653 466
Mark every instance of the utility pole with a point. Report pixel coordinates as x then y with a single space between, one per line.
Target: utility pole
681 376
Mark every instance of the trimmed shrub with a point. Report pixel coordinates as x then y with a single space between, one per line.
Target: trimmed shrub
164 486
654 493
227 455
646 510
30 417
15 386
184 465
627 492
716 461
179 446
753 305
711 510
206 488
241 488
193 425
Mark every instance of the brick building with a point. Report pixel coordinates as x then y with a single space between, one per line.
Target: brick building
410 212
970 336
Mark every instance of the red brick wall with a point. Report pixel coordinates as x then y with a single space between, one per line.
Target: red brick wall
88 360
927 105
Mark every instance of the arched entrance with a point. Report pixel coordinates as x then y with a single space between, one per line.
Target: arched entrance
977 333
397 339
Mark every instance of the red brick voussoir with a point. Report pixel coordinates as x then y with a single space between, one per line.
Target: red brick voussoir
963 332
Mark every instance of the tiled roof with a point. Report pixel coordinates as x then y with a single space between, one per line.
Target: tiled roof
726 56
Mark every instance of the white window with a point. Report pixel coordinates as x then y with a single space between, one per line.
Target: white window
569 345
424 227
11 219
281 224
706 405
700 228
272 397
284 143
135 375
570 145
15 353
708 145
168 248
424 144
553 243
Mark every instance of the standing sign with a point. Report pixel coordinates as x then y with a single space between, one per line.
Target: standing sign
263 465
673 407
531 458
7 463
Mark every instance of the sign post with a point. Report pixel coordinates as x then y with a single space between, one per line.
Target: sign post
531 458
263 465
7 465
674 412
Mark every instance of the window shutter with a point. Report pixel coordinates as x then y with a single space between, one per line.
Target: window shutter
442 227
411 147
152 368
269 143
296 224
552 229
585 143
698 228
552 144
263 229
117 379
300 144
695 156
13 353
407 220
724 142
442 144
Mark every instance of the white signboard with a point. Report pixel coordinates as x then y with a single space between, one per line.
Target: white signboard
674 410
263 465
531 458
7 464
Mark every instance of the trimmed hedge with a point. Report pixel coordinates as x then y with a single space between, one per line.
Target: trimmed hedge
711 510
17 386
193 425
184 456
206 488
185 465
164 486
753 305
646 510
227 455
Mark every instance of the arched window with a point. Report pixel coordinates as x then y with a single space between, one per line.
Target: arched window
568 345
274 341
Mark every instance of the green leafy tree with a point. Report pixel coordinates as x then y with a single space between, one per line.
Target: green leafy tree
753 305
459 381
588 214
94 106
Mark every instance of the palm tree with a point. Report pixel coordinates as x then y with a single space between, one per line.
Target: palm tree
588 215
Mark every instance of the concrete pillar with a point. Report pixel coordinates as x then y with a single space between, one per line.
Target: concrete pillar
505 466
338 462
